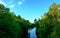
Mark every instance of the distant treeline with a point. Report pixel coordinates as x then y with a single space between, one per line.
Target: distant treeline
12 26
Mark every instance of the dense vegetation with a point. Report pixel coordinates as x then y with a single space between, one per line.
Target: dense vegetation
12 26
49 25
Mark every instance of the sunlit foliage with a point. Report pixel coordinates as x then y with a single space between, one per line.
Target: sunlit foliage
49 24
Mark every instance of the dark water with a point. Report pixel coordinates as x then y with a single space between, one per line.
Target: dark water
32 33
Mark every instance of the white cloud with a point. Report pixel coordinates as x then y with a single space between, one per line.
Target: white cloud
1 2
12 6
19 3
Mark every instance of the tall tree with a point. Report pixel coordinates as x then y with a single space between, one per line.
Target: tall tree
48 24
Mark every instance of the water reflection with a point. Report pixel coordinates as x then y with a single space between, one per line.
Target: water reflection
32 33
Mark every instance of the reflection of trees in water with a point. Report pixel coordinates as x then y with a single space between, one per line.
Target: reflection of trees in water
28 36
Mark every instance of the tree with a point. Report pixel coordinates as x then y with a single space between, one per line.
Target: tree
9 27
49 25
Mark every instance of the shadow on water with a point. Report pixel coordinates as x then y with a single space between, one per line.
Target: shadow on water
32 33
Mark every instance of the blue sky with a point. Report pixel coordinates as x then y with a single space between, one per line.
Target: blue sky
29 9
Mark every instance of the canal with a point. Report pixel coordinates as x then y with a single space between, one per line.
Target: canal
32 33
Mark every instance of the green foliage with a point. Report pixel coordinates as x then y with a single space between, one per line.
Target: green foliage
24 25
8 26
48 26
12 26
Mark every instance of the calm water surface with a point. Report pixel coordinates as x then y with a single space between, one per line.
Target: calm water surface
32 33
